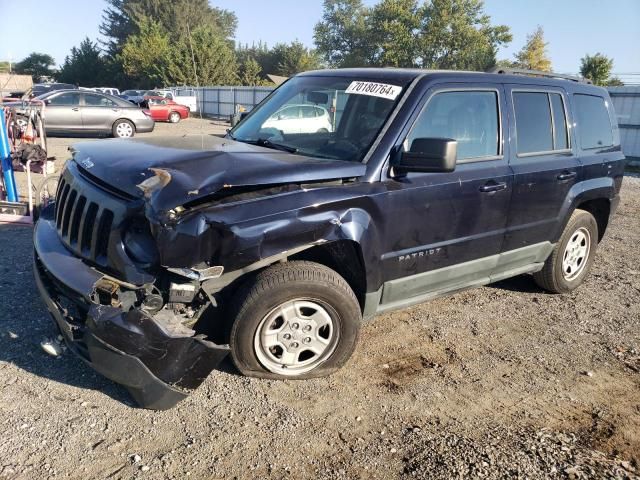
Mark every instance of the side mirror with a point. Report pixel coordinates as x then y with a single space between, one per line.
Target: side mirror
429 155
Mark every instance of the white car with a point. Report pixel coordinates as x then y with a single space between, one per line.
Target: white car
108 90
300 119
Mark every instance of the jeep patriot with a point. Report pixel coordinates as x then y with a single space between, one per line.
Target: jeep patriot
159 257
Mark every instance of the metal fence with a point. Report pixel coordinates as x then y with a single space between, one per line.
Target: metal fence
626 102
222 102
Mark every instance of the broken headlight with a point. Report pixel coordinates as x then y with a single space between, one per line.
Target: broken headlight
140 245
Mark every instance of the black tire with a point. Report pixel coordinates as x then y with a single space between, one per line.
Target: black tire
174 117
552 276
123 125
284 282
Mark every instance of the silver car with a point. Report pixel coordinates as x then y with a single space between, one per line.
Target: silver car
78 111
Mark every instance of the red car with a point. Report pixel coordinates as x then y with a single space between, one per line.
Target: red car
165 110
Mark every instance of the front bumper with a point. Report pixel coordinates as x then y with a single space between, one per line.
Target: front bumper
156 364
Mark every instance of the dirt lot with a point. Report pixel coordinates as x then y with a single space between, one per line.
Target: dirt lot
502 381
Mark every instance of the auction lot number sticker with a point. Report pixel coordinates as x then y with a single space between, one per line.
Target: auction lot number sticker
374 89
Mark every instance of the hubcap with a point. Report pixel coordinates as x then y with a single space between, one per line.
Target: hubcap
576 253
124 130
174 118
295 337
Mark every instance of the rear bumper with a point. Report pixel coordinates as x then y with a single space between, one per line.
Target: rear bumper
158 366
145 125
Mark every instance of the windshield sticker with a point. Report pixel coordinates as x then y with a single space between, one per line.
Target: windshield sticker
381 90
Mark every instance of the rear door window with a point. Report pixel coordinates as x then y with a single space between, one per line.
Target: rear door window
541 122
594 125
92 100
65 99
533 122
469 117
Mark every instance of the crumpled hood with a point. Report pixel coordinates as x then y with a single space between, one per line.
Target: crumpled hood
200 165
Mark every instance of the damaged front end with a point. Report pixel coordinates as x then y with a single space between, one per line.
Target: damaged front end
136 257
126 332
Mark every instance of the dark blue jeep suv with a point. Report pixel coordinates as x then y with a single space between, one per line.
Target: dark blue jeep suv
344 194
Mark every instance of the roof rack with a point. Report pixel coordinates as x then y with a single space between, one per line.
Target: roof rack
537 73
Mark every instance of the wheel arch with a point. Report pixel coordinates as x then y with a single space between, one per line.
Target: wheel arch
600 208
594 196
344 257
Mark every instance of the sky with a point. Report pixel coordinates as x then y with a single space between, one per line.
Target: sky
572 27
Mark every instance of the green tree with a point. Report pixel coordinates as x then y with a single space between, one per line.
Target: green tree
146 55
342 36
597 68
260 53
37 65
533 56
214 58
122 18
447 34
394 30
458 35
293 58
250 72
85 66
5 67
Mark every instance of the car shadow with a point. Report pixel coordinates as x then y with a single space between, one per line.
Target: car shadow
520 284
25 322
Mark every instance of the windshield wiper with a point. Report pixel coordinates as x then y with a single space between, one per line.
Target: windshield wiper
265 142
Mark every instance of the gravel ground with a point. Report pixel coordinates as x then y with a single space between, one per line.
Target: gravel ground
501 381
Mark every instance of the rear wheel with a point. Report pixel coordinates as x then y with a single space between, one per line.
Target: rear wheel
174 117
294 320
572 257
123 129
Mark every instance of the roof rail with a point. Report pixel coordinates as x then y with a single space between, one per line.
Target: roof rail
537 73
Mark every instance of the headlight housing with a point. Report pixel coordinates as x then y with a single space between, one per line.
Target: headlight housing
140 245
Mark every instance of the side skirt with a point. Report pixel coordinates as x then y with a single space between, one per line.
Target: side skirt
407 291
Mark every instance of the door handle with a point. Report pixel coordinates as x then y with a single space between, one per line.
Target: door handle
492 186
75 109
566 176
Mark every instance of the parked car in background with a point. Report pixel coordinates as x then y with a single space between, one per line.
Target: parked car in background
41 88
165 110
78 111
183 96
133 96
301 118
108 90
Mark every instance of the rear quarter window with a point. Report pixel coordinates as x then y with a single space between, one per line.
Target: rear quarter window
594 124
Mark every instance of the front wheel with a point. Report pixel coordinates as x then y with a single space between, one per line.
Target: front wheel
174 117
294 320
123 129
572 257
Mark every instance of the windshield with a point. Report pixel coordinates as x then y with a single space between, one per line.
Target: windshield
324 117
